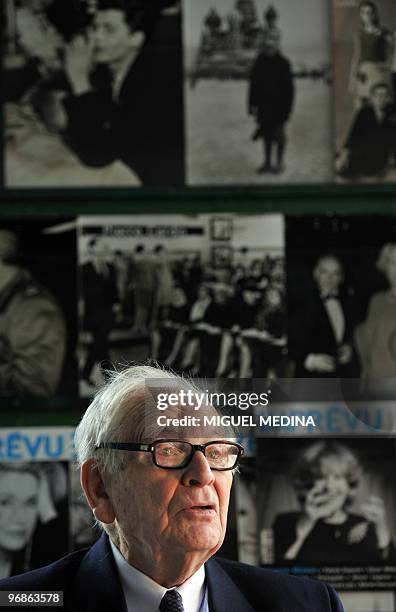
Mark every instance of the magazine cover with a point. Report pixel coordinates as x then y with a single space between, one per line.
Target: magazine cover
34 497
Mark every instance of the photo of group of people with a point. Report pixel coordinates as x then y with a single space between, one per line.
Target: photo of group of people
202 294
214 295
126 93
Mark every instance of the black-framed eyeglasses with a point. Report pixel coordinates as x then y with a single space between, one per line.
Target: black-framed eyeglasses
177 454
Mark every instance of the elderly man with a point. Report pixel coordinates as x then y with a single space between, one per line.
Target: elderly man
163 505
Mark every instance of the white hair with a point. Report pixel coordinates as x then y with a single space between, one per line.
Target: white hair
117 410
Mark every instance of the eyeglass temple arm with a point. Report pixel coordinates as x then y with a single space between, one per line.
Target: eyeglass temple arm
131 446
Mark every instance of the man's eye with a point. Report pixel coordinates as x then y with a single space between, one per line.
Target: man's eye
169 451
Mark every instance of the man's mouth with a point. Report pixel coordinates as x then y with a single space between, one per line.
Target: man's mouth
203 507
201 510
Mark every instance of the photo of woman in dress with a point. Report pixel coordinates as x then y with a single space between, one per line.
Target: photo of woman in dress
364 65
372 54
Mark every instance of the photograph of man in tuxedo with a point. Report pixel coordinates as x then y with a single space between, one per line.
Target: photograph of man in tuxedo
323 328
161 496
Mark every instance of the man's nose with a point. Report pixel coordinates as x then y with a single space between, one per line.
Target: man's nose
198 472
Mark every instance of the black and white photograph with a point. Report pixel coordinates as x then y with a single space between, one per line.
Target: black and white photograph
34 515
364 51
83 531
369 601
93 93
341 274
246 512
38 308
170 289
257 91
327 502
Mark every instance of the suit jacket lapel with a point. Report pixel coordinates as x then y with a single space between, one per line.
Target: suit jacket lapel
224 595
97 585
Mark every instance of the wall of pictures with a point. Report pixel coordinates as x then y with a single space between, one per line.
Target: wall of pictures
208 185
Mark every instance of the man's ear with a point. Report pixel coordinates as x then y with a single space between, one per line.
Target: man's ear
95 492
137 39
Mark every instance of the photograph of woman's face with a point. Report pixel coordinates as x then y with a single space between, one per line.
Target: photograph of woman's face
367 14
332 487
18 508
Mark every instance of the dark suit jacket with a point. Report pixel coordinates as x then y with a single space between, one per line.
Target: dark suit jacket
271 89
312 333
100 295
90 583
370 142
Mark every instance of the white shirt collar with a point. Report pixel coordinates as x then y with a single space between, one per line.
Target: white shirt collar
143 594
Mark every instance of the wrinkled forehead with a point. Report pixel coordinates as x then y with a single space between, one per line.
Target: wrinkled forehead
166 408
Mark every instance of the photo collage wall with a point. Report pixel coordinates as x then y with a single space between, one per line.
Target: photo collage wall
218 93
170 94
227 295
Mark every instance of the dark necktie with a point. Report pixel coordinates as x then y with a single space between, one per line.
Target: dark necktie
172 602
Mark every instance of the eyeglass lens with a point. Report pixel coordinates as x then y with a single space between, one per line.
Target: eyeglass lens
176 454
